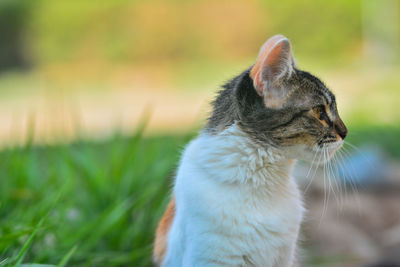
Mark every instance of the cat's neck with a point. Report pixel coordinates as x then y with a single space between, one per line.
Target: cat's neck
232 157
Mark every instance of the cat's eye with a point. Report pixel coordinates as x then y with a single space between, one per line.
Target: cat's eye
317 111
321 114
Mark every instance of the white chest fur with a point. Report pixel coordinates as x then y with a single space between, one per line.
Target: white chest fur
236 205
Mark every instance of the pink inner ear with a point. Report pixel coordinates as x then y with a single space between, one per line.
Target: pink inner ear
260 85
278 60
275 55
262 55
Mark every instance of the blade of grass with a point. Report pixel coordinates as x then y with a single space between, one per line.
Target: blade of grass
67 256
4 262
14 235
28 242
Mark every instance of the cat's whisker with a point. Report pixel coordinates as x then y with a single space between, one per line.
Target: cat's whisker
324 188
337 182
317 149
330 187
342 186
351 145
349 178
312 162
347 151
352 171
329 173
326 194
315 169
328 177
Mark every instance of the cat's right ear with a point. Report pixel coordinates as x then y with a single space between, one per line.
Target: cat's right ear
274 63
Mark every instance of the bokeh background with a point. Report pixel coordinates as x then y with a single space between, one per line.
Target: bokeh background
98 98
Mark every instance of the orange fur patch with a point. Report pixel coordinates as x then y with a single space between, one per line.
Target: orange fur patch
324 123
160 243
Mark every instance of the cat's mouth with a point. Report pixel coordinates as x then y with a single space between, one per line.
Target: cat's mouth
327 149
333 147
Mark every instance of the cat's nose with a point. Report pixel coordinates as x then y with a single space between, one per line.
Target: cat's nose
340 128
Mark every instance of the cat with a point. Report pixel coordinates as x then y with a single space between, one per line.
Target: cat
234 200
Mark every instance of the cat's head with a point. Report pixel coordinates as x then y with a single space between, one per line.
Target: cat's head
278 105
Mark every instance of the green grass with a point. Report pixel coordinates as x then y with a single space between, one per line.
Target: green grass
86 203
98 203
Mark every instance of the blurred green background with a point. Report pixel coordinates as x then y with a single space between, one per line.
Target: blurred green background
98 98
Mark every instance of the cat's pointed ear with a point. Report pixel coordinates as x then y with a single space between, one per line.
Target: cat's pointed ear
274 64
